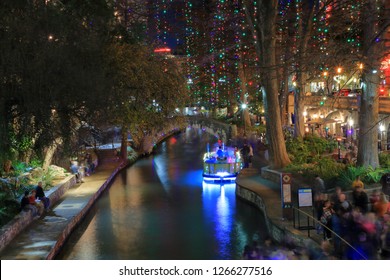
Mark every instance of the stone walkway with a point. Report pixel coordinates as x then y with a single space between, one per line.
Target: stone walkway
44 237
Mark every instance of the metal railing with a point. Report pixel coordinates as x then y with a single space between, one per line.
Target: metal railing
312 221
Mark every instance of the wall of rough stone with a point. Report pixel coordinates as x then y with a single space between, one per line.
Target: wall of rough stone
278 233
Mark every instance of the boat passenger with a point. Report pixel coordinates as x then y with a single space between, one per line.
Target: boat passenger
221 154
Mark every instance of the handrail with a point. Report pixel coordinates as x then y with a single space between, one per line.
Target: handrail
319 222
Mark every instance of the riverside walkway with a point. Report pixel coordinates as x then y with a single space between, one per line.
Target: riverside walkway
45 236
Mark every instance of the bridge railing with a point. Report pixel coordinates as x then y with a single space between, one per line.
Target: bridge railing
345 102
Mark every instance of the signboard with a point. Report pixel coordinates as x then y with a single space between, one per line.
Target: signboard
286 197
286 190
305 198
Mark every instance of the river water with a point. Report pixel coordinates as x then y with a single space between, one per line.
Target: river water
159 208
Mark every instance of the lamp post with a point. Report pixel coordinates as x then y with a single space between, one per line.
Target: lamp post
243 106
350 129
381 129
339 69
338 148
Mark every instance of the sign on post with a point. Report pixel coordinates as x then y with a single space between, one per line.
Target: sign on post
305 198
285 181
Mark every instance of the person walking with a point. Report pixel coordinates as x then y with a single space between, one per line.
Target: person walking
360 199
250 155
245 155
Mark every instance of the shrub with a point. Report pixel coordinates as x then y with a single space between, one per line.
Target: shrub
309 148
384 160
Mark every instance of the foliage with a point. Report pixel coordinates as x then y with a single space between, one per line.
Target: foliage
35 163
8 208
346 177
298 151
368 175
384 160
259 129
325 167
373 175
307 150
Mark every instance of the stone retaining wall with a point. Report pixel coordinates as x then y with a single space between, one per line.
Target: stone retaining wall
270 174
22 220
278 233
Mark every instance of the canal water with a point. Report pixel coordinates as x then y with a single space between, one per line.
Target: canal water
160 208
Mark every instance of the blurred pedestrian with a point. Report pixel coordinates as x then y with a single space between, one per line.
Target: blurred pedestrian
382 206
326 219
385 182
245 155
360 199
250 155
40 194
357 183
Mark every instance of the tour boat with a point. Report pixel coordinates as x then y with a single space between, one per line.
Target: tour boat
221 164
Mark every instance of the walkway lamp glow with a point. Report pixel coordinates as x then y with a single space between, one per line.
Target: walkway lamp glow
381 129
243 107
350 122
339 147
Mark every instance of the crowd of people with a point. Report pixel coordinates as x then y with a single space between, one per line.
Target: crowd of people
358 225
85 168
355 225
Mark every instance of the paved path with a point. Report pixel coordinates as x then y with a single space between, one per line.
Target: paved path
40 239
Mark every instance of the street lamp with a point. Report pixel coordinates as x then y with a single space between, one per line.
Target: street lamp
304 118
350 128
338 148
243 106
381 129
339 69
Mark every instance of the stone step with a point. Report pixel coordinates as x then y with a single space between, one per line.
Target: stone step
249 171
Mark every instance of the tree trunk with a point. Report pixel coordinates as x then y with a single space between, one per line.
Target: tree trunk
124 145
368 124
50 153
305 29
283 97
277 147
245 112
369 106
299 126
